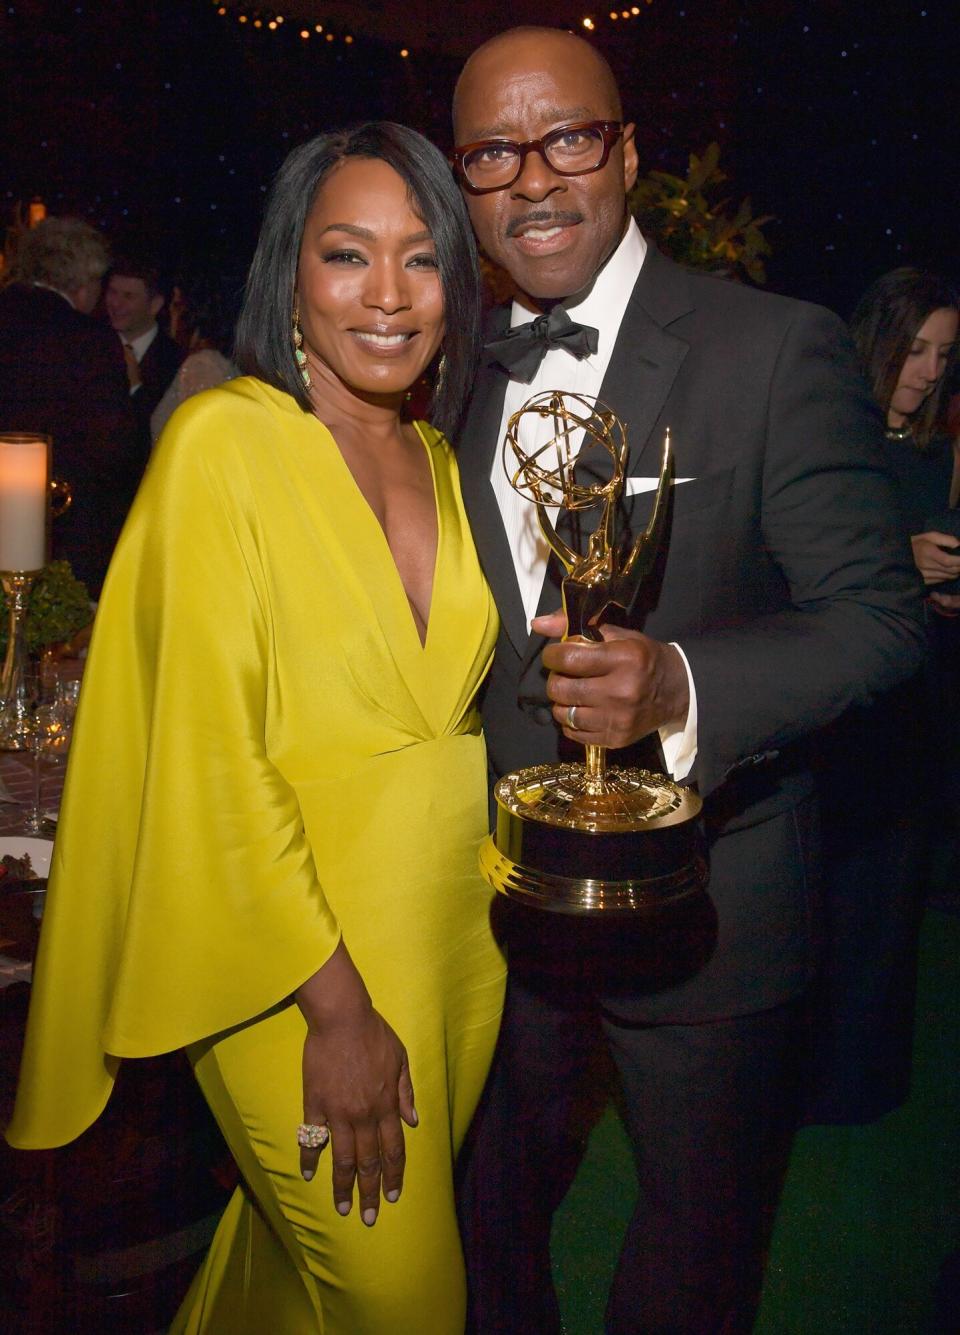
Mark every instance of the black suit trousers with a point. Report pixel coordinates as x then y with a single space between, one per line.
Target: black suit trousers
710 1109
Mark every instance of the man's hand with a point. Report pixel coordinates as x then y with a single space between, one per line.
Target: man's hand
623 689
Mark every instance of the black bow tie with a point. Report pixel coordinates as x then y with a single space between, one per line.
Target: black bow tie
524 348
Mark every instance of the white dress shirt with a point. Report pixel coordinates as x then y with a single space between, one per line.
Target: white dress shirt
141 342
603 307
138 347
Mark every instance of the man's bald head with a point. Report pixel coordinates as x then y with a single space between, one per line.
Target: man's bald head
534 45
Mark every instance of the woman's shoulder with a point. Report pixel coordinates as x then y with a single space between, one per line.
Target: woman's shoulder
242 428
232 414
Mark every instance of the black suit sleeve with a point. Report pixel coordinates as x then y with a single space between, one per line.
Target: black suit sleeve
829 522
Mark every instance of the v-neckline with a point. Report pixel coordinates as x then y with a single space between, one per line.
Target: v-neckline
410 617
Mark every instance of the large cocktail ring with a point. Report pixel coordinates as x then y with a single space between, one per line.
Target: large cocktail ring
311 1136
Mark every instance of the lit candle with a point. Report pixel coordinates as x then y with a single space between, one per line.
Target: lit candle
24 472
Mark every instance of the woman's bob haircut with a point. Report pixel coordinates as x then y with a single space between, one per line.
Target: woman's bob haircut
887 319
264 346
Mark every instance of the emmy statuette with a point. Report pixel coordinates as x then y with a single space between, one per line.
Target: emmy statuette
587 838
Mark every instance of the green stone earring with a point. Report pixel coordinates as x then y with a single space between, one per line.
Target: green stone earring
298 352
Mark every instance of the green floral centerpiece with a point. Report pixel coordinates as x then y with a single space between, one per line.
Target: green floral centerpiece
58 606
696 230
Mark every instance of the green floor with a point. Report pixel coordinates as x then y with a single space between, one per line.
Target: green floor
867 1215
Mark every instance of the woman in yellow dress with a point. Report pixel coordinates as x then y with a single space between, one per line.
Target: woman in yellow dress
269 833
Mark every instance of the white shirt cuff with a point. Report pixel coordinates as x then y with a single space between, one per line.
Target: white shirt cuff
680 744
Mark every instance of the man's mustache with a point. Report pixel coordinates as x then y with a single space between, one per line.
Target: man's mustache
543 218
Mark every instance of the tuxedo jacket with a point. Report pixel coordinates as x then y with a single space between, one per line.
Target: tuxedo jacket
158 366
785 577
62 373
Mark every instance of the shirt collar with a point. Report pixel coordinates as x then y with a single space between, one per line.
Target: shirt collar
141 342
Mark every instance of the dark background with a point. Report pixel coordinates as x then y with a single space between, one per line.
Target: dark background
165 121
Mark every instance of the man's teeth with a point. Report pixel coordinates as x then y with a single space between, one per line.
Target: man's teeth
383 340
541 233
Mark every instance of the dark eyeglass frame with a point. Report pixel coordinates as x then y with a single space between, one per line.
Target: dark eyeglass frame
610 132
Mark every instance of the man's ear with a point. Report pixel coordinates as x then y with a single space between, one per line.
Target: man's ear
156 305
631 163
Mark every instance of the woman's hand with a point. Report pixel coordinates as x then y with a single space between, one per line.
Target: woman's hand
933 563
356 1081
946 604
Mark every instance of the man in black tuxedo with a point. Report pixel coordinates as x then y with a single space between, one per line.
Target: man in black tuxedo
62 374
785 594
133 300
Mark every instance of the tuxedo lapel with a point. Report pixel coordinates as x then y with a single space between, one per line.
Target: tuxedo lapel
647 357
645 362
479 446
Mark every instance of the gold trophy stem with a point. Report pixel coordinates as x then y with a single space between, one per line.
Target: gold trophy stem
596 768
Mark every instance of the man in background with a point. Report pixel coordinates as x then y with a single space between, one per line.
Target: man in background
62 375
134 299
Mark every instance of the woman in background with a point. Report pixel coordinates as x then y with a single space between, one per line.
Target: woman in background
889 775
905 329
267 851
208 325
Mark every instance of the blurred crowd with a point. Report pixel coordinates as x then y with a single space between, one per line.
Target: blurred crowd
97 349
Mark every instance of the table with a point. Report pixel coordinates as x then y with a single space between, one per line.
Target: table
103 1236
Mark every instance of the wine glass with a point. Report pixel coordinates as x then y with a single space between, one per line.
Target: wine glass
44 736
68 693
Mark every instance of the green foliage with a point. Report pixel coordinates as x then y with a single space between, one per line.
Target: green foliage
59 606
678 213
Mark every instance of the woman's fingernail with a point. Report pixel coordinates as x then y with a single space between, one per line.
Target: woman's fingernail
307 1174
369 1217
343 1207
392 1196
416 1119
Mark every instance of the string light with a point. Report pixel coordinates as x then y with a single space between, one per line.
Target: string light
615 16
256 19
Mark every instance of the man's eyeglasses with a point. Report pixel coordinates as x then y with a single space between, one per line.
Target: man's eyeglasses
573 150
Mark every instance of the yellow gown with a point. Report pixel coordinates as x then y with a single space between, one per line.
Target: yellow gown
265 756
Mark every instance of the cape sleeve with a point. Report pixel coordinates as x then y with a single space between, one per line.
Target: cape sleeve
183 897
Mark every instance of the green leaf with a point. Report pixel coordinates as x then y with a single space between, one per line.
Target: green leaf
59 606
695 226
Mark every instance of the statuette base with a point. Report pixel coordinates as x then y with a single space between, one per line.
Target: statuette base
570 844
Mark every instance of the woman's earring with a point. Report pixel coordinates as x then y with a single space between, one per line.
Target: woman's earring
441 376
298 351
